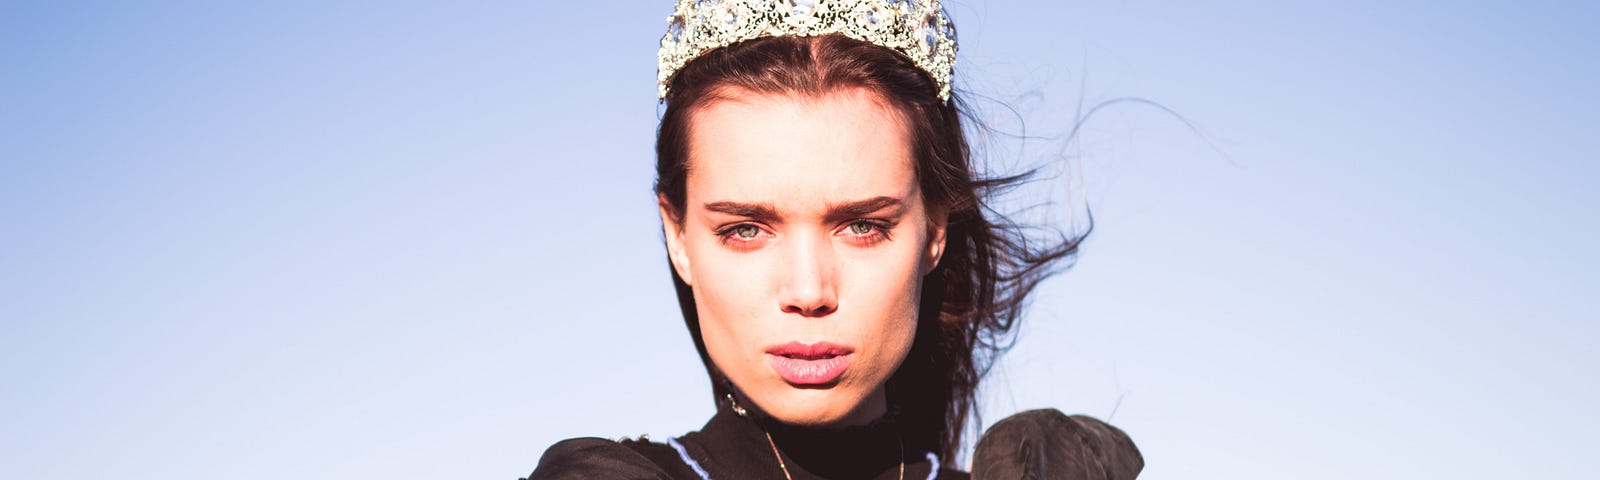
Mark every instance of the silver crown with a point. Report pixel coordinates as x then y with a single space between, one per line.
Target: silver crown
918 29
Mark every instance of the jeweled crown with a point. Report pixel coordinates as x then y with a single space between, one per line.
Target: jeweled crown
919 29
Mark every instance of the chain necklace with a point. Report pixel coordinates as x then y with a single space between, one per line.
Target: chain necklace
781 466
785 468
683 454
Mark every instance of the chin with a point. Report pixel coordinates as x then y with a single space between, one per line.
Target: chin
817 408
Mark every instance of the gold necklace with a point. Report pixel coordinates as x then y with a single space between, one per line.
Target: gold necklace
776 454
738 410
785 468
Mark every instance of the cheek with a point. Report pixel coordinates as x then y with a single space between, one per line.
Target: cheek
886 293
730 301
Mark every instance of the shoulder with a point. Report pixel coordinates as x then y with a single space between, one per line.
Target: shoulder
589 457
1048 444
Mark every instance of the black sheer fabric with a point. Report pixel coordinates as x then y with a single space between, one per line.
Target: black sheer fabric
1039 444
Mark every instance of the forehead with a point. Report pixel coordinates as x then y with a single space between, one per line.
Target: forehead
843 145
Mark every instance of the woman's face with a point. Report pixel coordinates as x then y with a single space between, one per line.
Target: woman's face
805 239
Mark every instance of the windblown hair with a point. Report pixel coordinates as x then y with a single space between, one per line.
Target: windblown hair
972 301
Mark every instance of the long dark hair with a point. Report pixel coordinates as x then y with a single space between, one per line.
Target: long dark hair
972 301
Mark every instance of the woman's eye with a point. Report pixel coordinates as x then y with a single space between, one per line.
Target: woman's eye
866 233
743 237
862 228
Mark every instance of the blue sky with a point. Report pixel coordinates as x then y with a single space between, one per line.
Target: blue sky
416 240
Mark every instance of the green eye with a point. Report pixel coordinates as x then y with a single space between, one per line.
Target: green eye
747 231
862 228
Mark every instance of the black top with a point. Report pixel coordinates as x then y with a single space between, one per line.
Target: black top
1034 444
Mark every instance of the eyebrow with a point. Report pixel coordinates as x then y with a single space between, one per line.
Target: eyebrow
761 212
765 212
860 208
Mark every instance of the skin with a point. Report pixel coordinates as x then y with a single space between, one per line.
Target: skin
804 222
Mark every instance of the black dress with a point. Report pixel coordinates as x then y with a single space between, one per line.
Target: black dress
1035 444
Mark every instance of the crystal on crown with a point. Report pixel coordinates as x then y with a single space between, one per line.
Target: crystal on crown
918 29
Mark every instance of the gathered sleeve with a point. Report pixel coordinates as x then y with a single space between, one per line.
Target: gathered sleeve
595 458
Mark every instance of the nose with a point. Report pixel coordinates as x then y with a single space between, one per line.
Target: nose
808 284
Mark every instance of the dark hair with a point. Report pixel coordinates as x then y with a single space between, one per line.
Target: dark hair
971 302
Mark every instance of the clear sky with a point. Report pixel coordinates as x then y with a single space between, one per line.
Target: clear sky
416 239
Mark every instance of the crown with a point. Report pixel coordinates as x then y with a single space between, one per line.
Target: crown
918 29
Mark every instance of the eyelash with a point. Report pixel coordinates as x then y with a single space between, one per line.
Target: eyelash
729 235
879 233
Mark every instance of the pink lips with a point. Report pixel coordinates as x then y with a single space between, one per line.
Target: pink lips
815 364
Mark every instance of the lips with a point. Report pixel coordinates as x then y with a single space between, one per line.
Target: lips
816 364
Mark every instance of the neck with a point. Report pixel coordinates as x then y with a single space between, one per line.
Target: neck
869 450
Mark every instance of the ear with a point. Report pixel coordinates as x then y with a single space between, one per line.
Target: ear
937 223
672 228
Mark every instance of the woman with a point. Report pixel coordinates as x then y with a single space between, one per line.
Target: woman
832 256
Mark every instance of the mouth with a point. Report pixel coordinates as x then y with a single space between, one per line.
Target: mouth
810 365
